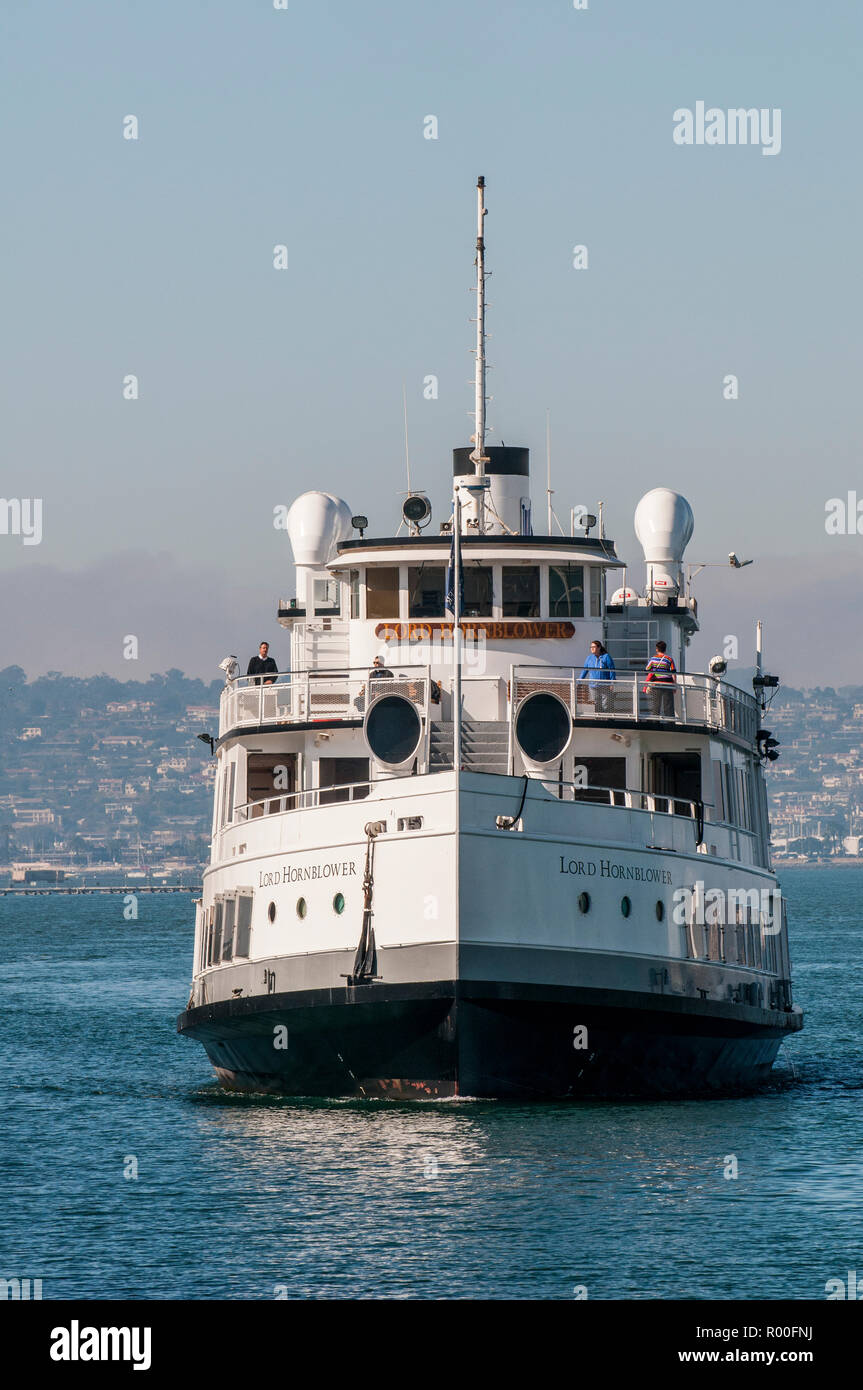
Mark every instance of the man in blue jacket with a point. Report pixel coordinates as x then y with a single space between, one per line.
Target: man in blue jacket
598 670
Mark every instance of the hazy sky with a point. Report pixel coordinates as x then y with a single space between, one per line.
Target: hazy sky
304 127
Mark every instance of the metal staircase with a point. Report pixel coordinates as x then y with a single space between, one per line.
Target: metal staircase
485 746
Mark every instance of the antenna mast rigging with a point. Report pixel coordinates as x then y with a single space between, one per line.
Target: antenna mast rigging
478 456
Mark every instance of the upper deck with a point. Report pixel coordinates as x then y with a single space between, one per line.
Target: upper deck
306 699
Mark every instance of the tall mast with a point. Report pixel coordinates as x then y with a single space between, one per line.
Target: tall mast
479 456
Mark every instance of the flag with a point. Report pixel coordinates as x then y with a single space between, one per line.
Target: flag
450 583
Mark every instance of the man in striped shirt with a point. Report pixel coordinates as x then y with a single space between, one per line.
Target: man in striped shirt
661 679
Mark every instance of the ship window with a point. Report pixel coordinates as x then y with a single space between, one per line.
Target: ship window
206 935
744 798
228 929
271 912
271 780
339 904
566 591
584 902
520 591
477 591
229 809
626 906
600 773
301 907
355 593
426 591
214 953
326 597
382 592
677 775
244 925
595 591
348 778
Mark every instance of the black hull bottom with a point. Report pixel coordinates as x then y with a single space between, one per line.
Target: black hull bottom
440 1041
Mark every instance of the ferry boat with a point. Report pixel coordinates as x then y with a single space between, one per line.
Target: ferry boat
453 858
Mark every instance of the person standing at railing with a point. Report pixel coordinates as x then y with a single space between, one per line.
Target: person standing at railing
263 666
660 683
598 671
378 672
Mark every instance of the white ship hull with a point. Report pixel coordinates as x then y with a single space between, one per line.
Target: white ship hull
490 980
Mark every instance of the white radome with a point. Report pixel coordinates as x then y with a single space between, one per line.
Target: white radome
663 524
317 523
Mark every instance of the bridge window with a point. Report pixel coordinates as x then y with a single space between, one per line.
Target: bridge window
326 597
595 591
426 591
520 591
354 579
477 591
566 591
382 592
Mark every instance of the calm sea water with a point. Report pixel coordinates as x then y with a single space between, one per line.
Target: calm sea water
235 1196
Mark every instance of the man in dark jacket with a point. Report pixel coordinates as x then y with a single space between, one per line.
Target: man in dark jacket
263 665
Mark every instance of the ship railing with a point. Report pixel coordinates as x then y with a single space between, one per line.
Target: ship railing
622 797
692 698
625 797
304 800
308 697
628 798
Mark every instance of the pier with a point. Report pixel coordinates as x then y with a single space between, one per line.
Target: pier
32 890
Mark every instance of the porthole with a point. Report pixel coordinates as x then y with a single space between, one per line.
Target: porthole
301 907
339 903
625 906
660 909
271 912
584 902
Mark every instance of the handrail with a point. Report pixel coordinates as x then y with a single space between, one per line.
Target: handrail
628 798
330 695
302 800
625 798
315 672
692 698
319 696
